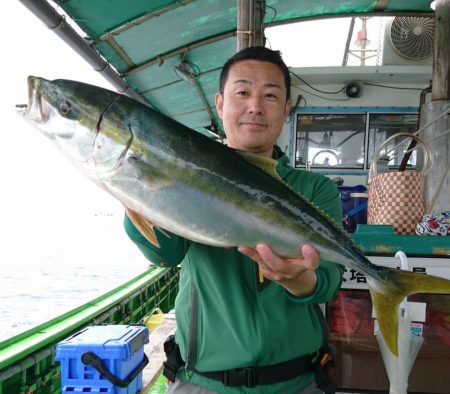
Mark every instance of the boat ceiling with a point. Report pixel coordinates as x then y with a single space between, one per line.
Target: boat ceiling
144 40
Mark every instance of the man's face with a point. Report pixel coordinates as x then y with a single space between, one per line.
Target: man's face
253 106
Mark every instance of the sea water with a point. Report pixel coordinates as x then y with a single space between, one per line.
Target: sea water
50 268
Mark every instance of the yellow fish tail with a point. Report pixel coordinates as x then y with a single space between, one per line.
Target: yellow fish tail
389 292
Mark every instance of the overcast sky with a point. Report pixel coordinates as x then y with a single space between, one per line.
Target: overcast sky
28 161
41 191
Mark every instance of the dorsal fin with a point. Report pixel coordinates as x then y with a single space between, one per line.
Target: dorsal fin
265 163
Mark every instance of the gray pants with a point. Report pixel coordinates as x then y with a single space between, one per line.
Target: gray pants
183 387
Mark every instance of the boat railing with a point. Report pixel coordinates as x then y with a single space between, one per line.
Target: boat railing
27 360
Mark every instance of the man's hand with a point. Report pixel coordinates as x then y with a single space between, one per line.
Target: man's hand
296 275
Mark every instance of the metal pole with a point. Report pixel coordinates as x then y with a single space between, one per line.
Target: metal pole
55 22
258 17
363 40
441 58
250 16
437 181
349 38
243 8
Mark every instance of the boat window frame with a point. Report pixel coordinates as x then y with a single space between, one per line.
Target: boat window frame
367 111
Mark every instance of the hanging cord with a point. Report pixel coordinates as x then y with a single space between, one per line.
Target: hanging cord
435 138
410 150
445 112
441 183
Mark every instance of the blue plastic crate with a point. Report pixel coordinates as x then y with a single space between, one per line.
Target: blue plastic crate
98 353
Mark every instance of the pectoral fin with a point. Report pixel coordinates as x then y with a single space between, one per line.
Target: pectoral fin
144 226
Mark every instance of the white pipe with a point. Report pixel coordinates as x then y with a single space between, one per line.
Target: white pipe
404 266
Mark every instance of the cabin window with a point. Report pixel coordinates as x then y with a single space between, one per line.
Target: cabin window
349 140
381 127
330 140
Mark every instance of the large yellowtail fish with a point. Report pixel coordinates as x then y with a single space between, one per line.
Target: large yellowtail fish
197 188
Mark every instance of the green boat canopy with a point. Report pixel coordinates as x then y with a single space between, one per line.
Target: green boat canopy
143 41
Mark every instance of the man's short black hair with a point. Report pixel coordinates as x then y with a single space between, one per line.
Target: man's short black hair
259 53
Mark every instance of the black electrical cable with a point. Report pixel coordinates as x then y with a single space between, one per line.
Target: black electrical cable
390 87
322 97
274 13
194 67
312 87
299 99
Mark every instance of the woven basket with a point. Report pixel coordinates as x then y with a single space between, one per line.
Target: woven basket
397 198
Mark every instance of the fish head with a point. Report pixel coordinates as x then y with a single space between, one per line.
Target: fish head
70 114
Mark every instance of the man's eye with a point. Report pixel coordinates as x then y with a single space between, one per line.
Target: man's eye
271 96
241 93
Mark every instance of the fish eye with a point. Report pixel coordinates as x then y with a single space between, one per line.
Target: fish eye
65 108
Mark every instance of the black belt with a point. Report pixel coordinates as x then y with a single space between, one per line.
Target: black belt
270 374
319 363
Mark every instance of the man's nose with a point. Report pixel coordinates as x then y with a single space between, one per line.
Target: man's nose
255 105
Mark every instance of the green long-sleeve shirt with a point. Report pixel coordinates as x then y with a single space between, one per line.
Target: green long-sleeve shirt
226 319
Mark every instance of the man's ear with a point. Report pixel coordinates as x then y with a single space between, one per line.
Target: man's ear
287 109
219 104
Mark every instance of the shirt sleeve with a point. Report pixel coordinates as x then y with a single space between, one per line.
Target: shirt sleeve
329 279
170 254
325 196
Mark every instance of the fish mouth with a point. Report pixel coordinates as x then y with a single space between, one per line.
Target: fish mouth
37 110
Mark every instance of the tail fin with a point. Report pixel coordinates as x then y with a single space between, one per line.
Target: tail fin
393 288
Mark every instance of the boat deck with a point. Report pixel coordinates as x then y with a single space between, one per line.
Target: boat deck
155 351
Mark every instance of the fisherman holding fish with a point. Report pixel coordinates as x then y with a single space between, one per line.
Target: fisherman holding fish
248 319
246 227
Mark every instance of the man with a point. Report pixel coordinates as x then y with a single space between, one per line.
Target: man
235 332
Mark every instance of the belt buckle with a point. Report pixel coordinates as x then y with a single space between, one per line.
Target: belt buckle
240 377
